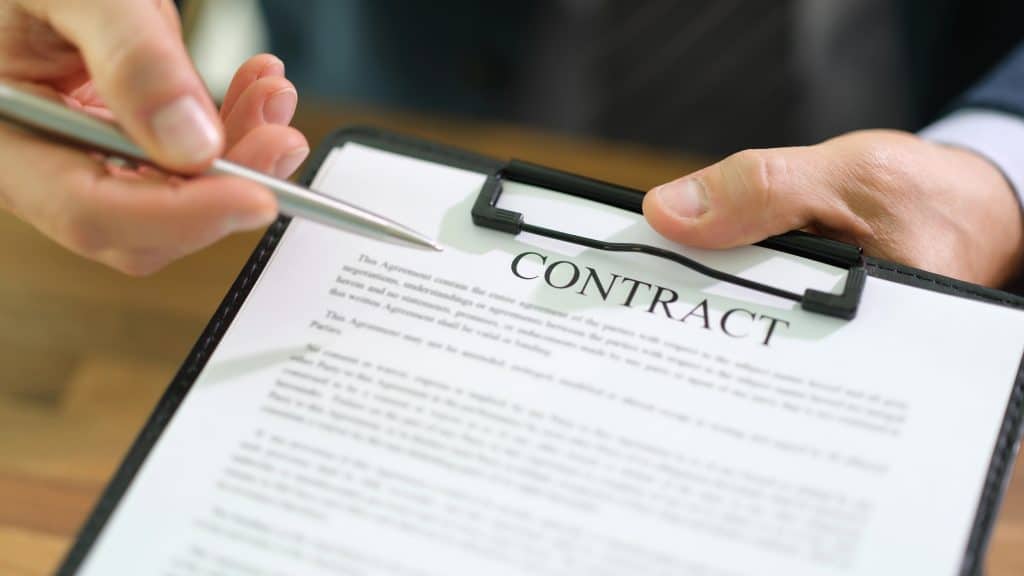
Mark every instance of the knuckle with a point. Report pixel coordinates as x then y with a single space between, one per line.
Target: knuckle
763 173
880 164
148 69
129 59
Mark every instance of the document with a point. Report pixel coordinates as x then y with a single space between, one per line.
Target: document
516 405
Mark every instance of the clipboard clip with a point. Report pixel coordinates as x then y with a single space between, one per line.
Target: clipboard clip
486 213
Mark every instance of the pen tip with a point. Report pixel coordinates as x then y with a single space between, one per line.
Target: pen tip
422 240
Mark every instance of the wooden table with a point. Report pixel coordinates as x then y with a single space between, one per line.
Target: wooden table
85 352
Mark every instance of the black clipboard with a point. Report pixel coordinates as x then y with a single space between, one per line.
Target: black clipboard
1000 464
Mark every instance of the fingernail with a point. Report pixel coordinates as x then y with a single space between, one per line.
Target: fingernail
287 164
685 198
279 108
185 131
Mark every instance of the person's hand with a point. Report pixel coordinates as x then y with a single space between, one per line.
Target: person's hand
899 197
125 60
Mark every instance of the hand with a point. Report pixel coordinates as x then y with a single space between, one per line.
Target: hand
899 197
125 60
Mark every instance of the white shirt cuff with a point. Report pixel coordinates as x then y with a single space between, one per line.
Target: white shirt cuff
998 136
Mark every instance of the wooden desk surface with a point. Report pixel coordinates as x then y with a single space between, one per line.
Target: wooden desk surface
85 352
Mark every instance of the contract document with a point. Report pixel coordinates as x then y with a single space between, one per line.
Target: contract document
517 405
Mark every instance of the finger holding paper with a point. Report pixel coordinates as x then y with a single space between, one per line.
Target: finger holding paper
899 197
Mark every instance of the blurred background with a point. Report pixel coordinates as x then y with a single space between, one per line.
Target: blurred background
705 76
631 91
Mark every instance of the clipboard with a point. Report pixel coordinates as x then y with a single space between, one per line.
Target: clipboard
843 305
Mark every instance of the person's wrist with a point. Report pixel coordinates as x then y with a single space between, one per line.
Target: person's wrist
996 136
994 213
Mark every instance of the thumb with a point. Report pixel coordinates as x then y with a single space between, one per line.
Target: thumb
137 60
748 197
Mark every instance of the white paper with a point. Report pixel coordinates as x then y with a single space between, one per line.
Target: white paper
376 409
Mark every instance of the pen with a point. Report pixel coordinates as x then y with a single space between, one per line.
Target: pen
65 124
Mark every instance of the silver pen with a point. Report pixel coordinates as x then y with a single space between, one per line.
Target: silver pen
78 128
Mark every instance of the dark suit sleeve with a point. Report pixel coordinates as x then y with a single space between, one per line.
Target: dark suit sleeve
989 119
1002 89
